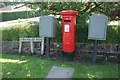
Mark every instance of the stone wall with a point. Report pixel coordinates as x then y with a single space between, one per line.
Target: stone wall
12 47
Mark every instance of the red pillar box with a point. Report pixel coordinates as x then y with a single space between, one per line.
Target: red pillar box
68 31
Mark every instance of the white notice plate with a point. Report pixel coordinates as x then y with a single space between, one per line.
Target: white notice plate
67 28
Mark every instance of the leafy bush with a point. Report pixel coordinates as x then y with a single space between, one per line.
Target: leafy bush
6 16
13 15
31 29
113 34
25 29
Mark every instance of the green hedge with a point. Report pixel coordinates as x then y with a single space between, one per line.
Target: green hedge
6 16
31 29
21 30
113 34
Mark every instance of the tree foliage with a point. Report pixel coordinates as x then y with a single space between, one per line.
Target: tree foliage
111 9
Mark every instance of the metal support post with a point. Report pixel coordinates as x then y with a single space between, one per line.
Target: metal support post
47 47
20 46
42 45
94 54
31 47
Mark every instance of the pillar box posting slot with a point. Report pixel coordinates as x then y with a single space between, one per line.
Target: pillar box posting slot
68 33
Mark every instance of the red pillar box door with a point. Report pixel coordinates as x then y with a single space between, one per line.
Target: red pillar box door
68 30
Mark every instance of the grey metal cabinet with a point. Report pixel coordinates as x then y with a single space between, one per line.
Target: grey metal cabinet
47 26
97 27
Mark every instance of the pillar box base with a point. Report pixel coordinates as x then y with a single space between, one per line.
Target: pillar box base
68 56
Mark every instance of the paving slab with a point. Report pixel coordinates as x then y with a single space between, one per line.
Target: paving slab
60 72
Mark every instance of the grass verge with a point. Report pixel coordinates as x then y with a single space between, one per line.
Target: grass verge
17 66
